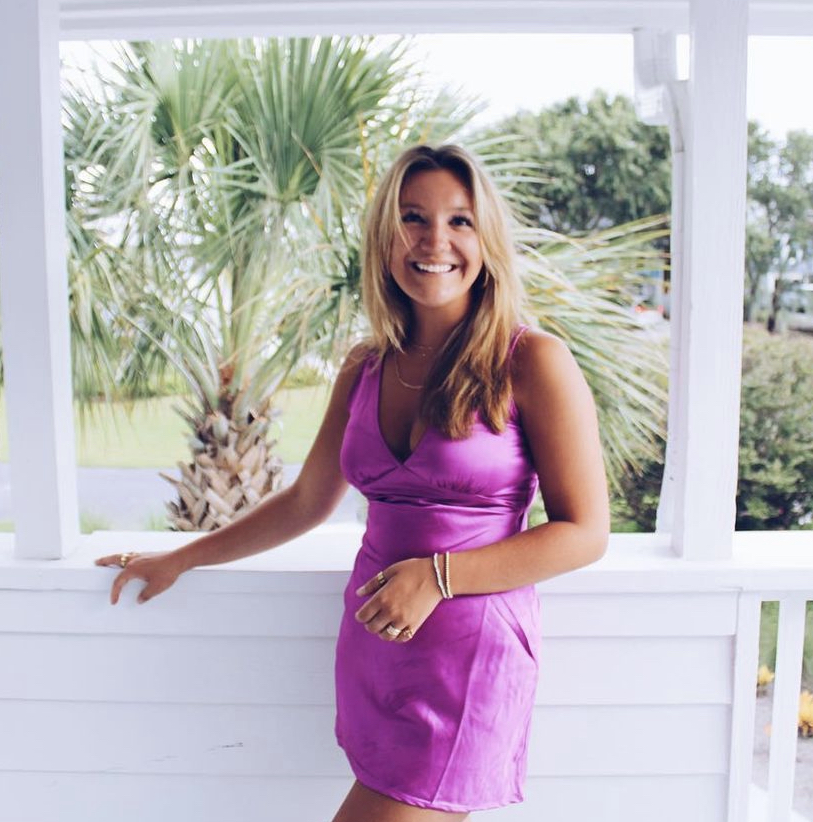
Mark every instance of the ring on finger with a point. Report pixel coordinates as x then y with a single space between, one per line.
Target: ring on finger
126 557
380 578
406 633
391 630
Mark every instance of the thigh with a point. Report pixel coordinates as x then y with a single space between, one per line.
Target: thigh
364 805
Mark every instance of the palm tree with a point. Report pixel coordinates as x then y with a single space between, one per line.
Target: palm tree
582 290
206 154
235 175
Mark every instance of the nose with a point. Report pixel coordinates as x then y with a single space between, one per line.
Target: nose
435 235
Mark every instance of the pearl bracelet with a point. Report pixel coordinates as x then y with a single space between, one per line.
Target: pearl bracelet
444 588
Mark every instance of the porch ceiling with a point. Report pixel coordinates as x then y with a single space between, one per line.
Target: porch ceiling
141 19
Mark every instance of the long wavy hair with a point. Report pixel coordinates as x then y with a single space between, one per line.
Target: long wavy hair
471 372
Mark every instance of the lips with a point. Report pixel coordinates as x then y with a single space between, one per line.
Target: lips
434 268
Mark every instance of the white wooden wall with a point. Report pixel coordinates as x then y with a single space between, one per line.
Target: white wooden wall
215 700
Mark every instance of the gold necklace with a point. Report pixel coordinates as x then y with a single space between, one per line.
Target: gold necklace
400 378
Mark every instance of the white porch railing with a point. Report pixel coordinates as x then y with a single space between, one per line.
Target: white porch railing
215 700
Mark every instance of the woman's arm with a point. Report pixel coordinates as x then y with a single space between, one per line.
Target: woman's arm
558 417
559 420
283 516
308 501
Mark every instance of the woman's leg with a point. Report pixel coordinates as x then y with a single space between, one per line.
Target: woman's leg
364 805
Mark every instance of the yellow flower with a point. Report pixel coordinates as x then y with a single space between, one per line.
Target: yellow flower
806 713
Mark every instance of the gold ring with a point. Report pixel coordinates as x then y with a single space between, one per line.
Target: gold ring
381 578
126 557
392 630
406 633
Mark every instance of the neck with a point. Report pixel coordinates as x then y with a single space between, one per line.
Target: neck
433 332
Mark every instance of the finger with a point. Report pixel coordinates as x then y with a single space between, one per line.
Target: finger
151 590
368 611
369 587
374 584
386 635
378 625
374 620
118 583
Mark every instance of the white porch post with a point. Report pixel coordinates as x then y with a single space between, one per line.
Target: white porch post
710 294
660 99
33 283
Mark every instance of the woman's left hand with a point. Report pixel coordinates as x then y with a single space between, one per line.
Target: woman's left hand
405 600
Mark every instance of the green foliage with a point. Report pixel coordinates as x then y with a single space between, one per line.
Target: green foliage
634 499
775 488
90 522
581 290
306 376
769 623
238 173
780 212
156 522
597 164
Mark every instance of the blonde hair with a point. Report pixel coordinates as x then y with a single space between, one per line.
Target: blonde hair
471 372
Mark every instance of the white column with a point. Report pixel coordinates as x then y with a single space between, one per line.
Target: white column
33 283
711 290
661 99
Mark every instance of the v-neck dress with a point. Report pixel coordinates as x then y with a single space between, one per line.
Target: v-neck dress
441 721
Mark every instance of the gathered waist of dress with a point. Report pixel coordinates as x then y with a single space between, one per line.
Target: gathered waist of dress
396 531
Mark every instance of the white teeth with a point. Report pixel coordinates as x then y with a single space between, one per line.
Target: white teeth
434 269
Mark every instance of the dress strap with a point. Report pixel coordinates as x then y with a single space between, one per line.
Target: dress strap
517 334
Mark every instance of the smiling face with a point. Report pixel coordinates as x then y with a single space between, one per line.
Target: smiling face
436 257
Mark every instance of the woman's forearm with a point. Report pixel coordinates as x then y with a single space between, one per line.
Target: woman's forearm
279 519
526 558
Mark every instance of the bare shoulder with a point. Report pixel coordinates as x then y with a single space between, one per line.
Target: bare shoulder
356 356
349 371
542 362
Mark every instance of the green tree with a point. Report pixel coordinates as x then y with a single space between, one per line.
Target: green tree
204 156
775 489
226 182
598 164
775 485
780 213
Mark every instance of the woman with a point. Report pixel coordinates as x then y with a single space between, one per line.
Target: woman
448 420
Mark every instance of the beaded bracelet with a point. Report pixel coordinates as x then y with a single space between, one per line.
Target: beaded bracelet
444 589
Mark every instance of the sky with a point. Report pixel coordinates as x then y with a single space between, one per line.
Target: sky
534 70
514 71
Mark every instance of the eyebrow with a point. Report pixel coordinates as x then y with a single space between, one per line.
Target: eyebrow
419 208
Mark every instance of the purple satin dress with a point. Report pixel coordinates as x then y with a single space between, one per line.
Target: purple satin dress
441 721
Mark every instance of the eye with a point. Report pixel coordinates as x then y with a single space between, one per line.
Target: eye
459 219
411 217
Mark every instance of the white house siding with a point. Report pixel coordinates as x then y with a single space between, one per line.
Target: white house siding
215 700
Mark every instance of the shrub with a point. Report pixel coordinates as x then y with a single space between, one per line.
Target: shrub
775 487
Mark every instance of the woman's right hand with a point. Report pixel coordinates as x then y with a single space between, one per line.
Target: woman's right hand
158 570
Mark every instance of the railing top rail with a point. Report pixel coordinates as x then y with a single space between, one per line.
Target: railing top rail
773 562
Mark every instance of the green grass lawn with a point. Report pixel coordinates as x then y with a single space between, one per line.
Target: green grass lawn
767 640
150 434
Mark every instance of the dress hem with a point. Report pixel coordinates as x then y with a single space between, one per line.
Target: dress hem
370 783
